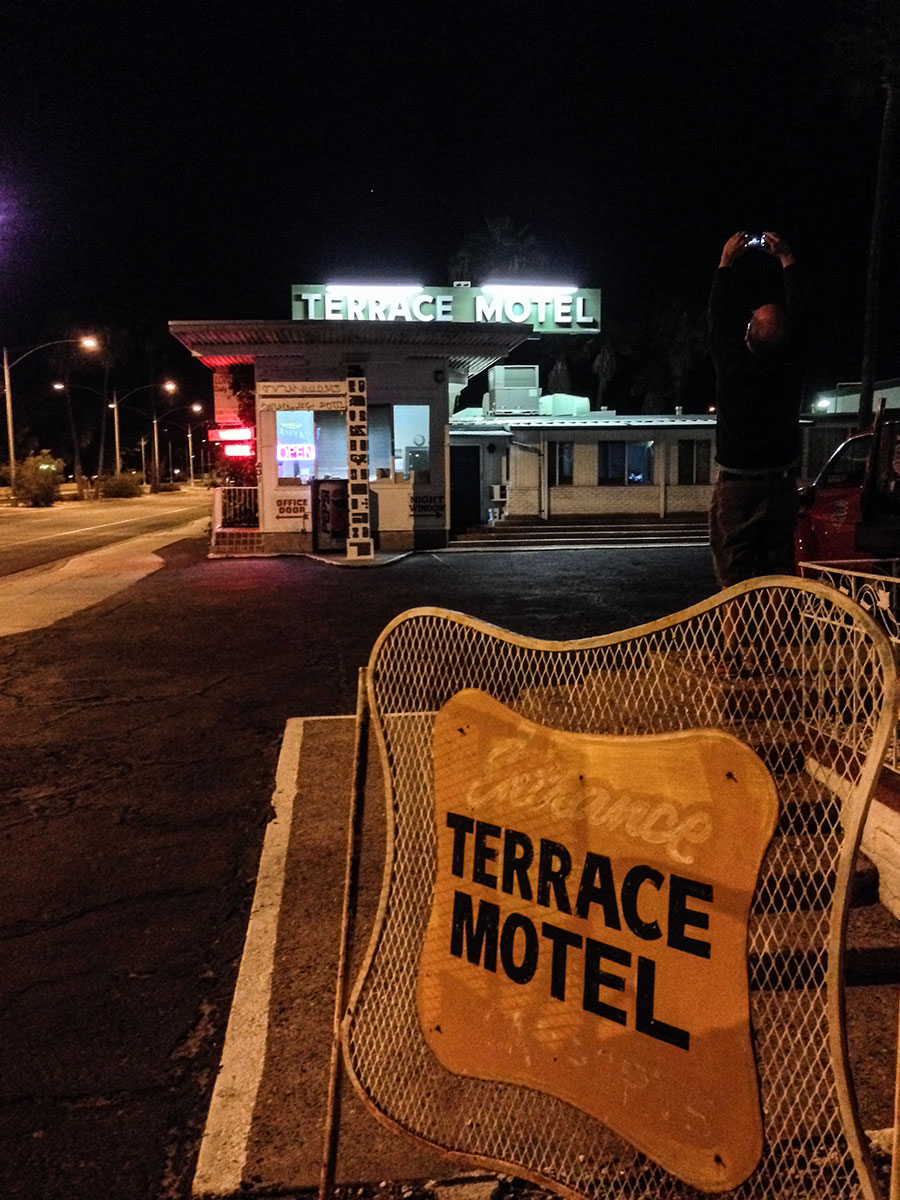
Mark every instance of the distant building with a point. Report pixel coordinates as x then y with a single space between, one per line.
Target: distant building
527 455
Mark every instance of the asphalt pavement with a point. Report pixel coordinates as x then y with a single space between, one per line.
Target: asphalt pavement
34 537
142 735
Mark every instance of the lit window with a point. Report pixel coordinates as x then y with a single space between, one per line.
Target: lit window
411 441
620 463
295 447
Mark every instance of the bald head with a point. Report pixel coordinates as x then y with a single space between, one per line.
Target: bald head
766 330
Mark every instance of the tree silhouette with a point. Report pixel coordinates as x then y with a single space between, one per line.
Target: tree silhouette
500 248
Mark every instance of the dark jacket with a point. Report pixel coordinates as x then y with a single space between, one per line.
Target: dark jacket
757 400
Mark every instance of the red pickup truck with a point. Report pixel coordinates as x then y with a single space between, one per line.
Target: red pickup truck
852 510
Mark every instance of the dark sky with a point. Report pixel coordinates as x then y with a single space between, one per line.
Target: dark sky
192 160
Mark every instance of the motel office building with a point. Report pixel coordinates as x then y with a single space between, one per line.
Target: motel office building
428 468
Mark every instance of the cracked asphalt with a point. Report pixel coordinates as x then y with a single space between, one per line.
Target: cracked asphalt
138 751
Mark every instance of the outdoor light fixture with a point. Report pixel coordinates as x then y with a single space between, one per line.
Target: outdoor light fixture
233 450
534 291
366 290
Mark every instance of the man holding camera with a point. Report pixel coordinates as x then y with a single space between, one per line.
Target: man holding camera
758 391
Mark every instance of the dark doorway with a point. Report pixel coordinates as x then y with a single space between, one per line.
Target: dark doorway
465 487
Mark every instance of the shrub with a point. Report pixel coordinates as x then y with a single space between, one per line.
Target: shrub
38 479
120 486
169 487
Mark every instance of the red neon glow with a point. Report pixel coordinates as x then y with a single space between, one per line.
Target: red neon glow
235 435
291 451
235 451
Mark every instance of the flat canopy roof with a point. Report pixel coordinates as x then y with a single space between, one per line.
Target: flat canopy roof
468 348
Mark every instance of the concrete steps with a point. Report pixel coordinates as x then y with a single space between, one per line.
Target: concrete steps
584 532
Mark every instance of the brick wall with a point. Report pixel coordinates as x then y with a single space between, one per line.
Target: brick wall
603 501
521 501
688 498
608 501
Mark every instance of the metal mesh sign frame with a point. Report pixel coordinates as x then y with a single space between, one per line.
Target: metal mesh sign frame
819 711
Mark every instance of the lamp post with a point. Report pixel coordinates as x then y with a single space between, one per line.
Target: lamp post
87 343
115 407
171 388
194 408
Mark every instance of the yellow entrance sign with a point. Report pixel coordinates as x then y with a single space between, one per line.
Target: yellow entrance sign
588 929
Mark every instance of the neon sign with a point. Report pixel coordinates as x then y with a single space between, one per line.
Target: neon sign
292 452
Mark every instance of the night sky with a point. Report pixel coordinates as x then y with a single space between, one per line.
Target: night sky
193 160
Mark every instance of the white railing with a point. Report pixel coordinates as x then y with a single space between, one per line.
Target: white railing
235 508
875 586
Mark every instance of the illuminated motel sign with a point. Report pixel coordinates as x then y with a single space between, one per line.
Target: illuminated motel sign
548 309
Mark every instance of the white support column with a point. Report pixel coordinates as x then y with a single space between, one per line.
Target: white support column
359 531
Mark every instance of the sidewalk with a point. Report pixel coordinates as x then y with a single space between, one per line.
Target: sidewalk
43 595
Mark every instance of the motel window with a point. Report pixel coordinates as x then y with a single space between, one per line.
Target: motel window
411 438
379 439
331 445
295 447
560 463
694 459
620 463
313 445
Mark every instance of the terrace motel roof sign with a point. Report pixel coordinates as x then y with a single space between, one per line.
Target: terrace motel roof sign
545 308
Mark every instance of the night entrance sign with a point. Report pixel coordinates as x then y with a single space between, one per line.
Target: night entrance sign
588 929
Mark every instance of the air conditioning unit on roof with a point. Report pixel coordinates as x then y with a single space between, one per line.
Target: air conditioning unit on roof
512 377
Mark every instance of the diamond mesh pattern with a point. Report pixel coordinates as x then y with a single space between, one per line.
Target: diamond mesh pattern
819 713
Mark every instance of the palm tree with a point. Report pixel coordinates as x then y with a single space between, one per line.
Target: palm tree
500 248
864 47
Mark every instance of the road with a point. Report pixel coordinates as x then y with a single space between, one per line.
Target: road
34 537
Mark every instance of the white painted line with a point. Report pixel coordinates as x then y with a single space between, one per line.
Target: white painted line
223 1150
46 537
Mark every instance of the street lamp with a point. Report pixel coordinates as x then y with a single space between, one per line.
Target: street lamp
170 387
194 408
86 343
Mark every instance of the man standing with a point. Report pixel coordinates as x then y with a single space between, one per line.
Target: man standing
758 392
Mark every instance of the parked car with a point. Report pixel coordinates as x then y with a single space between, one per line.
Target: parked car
852 509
